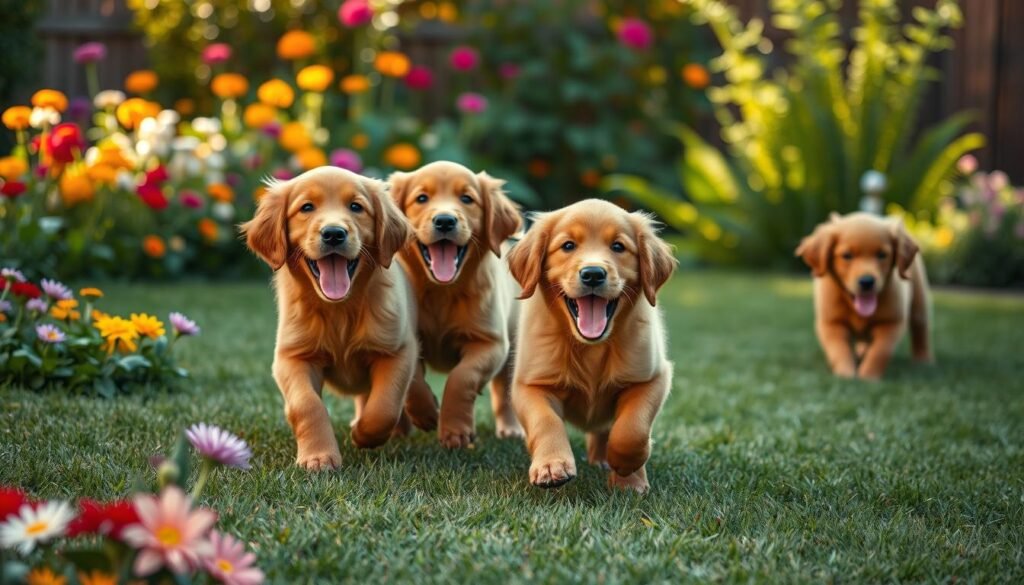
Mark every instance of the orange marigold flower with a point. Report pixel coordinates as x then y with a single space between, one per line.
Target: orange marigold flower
229 86
221 192
311 158
296 44
185 106
360 141
16 117
65 309
315 78
12 168
50 98
403 156
353 84
208 229
392 64
294 137
696 76
75 188
141 82
134 110
44 576
91 291
259 192
153 246
120 333
259 115
97 577
276 93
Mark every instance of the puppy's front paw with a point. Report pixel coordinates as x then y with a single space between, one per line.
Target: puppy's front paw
319 461
634 481
845 372
552 473
456 436
508 429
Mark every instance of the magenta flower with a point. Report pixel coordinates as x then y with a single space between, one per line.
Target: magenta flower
419 78
89 53
182 325
55 290
219 446
169 533
37 305
636 34
282 174
347 159
216 53
12 274
49 334
272 130
471 103
509 70
190 199
229 562
355 13
465 58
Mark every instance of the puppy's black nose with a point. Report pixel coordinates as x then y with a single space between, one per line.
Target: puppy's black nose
445 223
334 235
866 283
593 275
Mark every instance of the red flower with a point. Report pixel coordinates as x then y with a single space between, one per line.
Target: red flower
152 196
12 189
65 142
26 289
11 500
156 176
104 519
420 78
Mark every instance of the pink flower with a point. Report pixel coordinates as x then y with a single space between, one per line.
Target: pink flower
90 53
37 305
229 563
465 58
216 444
12 274
55 290
635 34
190 199
419 78
216 53
347 159
471 103
170 533
355 13
49 334
967 164
183 326
509 70
282 174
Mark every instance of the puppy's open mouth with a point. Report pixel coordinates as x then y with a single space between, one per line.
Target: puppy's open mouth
592 314
444 259
865 303
334 274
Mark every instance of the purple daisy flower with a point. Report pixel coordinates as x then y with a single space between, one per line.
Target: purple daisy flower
90 53
6 307
183 325
12 274
55 290
218 445
49 334
37 305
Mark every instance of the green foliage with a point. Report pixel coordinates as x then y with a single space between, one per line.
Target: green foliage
800 138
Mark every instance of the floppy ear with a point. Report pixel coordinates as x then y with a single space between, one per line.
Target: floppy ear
398 188
904 248
657 262
391 228
816 249
526 259
266 233
501 215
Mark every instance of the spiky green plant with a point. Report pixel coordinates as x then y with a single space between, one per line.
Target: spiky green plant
799 138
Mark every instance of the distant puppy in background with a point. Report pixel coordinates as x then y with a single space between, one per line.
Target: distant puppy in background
591 346
869 285
346 314
467 306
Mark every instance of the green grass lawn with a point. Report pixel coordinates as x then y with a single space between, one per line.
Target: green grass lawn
764 466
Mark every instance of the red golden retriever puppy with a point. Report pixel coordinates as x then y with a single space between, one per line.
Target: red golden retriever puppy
346 317
869 285
466 296
591 346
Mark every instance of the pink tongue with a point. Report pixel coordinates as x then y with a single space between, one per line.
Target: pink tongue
442 260
334 280
593 316
865 305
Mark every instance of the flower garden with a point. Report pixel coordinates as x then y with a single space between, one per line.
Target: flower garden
130 307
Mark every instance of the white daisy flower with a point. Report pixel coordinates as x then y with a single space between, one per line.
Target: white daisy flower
32 526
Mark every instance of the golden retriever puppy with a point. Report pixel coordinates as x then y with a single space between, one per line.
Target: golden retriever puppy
869 285
346 316
467 298
591 346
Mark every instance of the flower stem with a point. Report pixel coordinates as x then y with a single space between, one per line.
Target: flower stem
204 475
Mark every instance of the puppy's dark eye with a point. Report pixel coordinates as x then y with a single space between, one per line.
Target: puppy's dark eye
882 255
422 198
569 246
355 207
307 208
618 247
466 199
847 256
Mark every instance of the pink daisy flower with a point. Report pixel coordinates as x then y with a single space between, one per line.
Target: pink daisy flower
12 274
229 562
49 334
183 326
89 53
471 103
216 444
55 290
170 533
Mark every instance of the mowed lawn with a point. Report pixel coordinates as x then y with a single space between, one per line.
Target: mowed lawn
764 467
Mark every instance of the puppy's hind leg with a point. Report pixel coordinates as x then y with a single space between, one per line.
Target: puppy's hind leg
920 316
421 405
597 449
506 425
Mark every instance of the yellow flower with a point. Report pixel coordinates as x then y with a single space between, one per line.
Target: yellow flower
110 154
98 314
141 82
403 156
360 141
392 64
259 115
353 84
64 310
221 192
294 137
944 237
311 158
44 576
447 12
208 229
315 78
119 333
229 86
277 93
148 325
90 291
75 188
50 98
12 167
296 44
134 110
656 75
16 117
97 578
153 246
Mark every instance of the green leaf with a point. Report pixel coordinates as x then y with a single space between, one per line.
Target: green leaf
131 362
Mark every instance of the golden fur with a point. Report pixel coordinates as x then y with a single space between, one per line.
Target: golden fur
467 323
363 344
613 385
840 253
